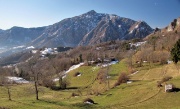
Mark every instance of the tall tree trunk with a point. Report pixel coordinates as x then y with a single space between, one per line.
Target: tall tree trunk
9 93
36 90
60 82
107 77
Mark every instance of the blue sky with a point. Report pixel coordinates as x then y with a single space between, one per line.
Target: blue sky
36 13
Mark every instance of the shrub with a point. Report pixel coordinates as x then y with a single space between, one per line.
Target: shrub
176 32
167 78
74 94
48 83
159 84
102 76
123 78
65 83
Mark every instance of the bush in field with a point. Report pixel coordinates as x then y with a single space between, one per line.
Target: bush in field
123 78
48 83
65 83
159 84
74 94
167 78
102 76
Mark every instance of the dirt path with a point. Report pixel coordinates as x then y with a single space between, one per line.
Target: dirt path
132 104
145 75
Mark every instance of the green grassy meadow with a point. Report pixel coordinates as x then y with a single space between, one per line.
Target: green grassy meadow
142 93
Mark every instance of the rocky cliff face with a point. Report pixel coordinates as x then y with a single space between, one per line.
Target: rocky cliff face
86 29
68 32
116 28
174 25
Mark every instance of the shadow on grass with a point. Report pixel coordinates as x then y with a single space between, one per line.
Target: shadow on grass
52 102
55 88
85 106
78 105
113 74
69 88
176 90
27 104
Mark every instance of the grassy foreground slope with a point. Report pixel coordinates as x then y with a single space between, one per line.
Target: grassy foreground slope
142 93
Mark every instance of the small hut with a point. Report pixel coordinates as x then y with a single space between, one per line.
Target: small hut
168 87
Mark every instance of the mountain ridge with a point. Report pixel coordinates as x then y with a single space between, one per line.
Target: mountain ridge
85 29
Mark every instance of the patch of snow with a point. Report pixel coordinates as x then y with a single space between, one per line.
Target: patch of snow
144 61
29 59
137 44
111 63
87 16
47 51
30 47
108 76
18 47
64 77
136 26
34 51
56 79
79 75
76 96
131 31
169 62
105 65
8 66
55 32
129 82
134 73
87 102
17 80
70 69
74 67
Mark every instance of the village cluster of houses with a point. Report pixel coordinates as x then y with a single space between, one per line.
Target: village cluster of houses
45 52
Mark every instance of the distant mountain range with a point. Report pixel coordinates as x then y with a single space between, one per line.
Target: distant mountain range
86 29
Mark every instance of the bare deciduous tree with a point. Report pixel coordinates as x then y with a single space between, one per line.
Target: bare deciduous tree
5 82
35 72
60 66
